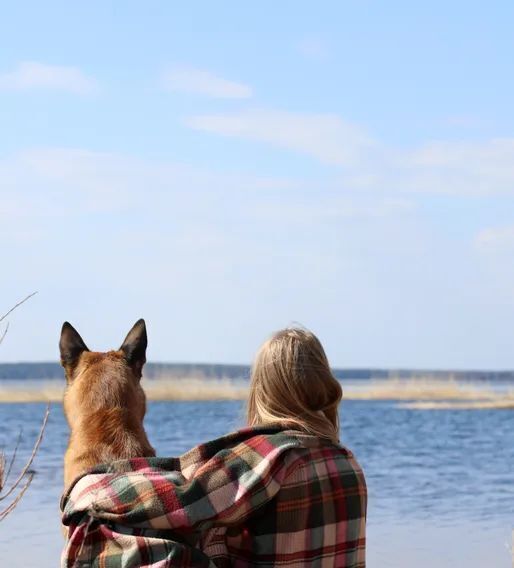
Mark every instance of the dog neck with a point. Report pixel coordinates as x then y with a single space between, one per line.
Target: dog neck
103 436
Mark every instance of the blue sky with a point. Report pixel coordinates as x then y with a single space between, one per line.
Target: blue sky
224 170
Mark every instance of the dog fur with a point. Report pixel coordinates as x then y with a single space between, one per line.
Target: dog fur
104 402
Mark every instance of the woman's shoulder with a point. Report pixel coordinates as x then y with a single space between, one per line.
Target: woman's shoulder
262 443
312 450
263 437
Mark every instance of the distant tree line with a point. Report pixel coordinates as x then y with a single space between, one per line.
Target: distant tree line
49 370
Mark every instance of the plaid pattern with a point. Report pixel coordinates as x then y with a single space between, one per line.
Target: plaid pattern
258 497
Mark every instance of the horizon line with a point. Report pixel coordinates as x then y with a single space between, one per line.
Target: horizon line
333 367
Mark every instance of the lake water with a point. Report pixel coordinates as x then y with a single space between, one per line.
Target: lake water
441 482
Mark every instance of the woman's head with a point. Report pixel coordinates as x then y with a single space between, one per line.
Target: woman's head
292 383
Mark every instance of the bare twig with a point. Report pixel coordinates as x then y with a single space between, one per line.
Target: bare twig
24 488
2 469
16 306
26 475
4 333
26 468
11 462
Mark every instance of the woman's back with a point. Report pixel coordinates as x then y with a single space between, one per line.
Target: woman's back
317 517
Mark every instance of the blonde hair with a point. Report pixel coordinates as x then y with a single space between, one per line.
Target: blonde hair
292 383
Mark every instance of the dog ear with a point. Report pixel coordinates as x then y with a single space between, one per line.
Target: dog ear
71 345
134 346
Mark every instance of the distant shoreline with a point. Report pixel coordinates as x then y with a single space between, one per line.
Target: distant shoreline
416 393
219 371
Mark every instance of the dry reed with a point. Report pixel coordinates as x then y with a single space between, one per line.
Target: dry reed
19 486
190 388
12 493
418 389
506 403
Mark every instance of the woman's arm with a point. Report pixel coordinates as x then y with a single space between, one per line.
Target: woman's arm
223 491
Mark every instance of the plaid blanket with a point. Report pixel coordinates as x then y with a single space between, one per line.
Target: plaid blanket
257 497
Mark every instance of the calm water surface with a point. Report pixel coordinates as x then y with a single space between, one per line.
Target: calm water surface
441 483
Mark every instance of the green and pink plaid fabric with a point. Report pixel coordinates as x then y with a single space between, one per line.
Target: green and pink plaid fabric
257 497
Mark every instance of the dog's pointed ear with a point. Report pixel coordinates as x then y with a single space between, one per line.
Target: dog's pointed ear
71 345
134 346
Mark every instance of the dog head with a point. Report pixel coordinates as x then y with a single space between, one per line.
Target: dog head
99 381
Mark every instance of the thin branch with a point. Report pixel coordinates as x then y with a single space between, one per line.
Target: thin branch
11 461
10 507
2 469
2 337
24 471
17 305
26 475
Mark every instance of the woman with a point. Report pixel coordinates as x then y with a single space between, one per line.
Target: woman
282 492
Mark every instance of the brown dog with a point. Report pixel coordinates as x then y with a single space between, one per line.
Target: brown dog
104 402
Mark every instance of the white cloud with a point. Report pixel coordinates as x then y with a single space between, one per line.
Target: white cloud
44 187
180 223
30 75
313 48
496 239
104 233
54 182
96 181
465 121
201 82
484 167
458 167
325 137
332 208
